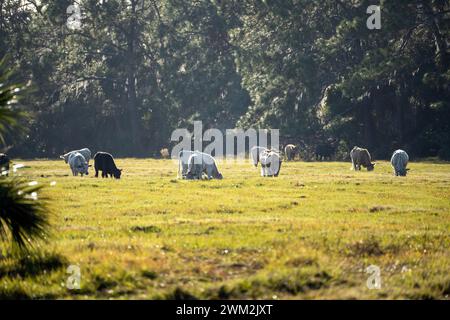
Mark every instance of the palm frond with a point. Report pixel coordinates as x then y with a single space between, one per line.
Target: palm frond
9 97
23 218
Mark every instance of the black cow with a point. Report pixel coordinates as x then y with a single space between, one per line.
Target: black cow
4 163
104 162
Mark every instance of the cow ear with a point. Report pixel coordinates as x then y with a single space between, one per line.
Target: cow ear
120 170
90 165
61 157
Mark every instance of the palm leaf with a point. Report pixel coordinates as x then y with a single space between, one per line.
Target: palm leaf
9 96
23 218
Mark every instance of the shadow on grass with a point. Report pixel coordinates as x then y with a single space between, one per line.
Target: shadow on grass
32 265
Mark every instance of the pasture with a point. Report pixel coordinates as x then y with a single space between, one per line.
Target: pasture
310 233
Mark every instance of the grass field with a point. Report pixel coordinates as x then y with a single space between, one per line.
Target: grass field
308 234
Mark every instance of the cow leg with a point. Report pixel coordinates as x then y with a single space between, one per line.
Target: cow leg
184 170
96 173
209 172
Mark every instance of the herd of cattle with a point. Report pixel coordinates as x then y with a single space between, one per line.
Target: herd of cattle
194 165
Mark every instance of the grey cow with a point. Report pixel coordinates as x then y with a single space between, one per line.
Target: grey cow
78 164
200 163
290 151
399 161
361 157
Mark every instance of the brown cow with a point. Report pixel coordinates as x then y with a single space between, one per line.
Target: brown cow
361 157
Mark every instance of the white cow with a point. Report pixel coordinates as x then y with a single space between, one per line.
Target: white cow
78 164
196 164
270 164
85 152
256 152
399 161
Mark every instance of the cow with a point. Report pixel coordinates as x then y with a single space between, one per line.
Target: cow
78 164
399 161
104 162
85 152
255 153
197 163
270 163
290 151
4 164
361 157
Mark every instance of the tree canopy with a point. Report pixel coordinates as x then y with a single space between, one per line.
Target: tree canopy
135 70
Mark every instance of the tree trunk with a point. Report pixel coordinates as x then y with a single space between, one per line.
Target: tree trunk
439 39
368 122
133 115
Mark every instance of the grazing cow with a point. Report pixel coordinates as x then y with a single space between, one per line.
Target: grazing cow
4 164
197 164
78 164
256 152
104 162
270 164
399 161
290 151
361 157
85 152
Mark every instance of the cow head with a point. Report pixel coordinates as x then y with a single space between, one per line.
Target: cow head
83 168
371 166
219 176
403 172
117 173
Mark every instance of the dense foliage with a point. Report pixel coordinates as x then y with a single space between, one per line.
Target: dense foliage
137 69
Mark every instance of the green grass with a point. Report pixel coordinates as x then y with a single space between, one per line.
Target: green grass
310 233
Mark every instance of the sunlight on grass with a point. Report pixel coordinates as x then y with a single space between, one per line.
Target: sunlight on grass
310 233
